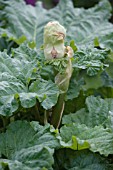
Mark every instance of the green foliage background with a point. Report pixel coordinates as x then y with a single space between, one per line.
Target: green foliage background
84 140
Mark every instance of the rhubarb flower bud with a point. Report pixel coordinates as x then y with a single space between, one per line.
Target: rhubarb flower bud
54 35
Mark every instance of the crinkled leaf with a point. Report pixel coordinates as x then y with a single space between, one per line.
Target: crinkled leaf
35 158
88 24
25 53
59 65
45 136
16 74
91 59
28 21
47 93
17 136
98 112
99 139
93 124
27 145
82 25
21 134
80 160
102 79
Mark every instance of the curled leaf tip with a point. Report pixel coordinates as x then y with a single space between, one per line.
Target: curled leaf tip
69 52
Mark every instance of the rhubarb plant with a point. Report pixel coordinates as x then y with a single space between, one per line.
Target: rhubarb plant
56 86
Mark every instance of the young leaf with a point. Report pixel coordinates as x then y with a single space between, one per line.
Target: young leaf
91 59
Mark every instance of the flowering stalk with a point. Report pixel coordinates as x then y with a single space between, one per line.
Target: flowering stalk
55 51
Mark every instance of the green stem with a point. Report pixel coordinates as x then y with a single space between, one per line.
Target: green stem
37 114
5 121
58 111
46 116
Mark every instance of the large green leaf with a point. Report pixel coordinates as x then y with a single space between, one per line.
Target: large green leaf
35 158
94 67
80 160
19 79
29 21
92 125
98 112
14 139
88 66
79 137
28 146
45 135
47 93
83 25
